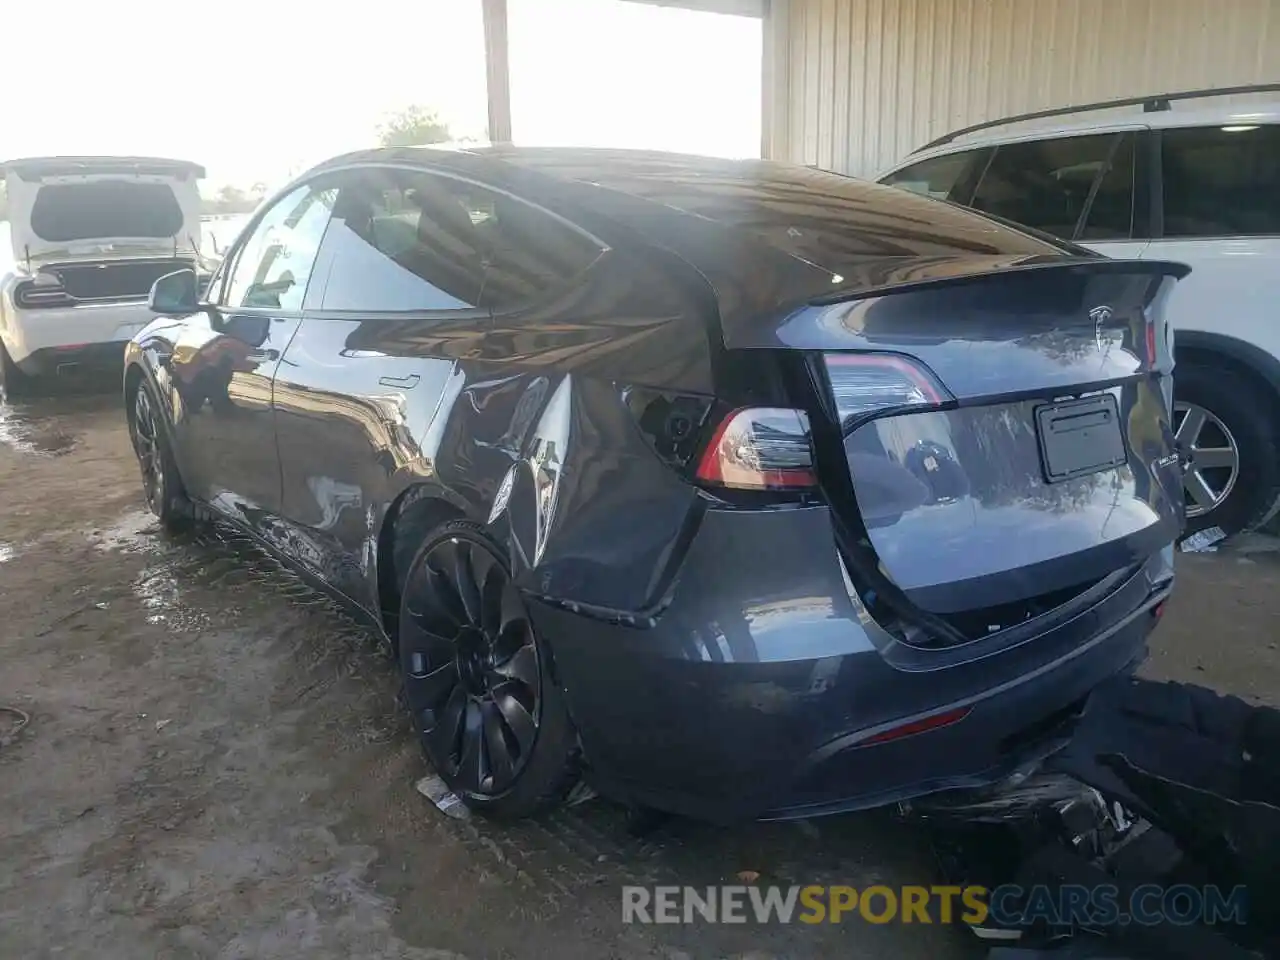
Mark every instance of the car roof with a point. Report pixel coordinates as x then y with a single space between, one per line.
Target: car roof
1179 114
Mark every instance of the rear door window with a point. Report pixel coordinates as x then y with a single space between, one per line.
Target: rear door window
942 178
408 241
1221 181
1046 184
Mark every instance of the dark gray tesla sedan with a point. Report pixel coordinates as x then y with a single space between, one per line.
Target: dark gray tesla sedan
736 488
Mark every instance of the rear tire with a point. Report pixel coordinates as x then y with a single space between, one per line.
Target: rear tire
16 383
1221 411
489 715
161 483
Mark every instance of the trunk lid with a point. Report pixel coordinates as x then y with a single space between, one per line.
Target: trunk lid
996 444
64 209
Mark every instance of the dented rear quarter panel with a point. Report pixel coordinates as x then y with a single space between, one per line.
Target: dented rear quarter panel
517 421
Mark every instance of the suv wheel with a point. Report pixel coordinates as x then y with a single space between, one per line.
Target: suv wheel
1229 433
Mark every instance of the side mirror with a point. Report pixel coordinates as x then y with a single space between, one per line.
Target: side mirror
175 294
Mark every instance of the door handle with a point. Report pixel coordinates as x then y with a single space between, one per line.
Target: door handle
262 356
408 383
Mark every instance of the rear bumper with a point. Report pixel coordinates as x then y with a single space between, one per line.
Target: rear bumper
755 692
105 326
74 360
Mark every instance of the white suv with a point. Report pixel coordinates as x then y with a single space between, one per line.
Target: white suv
87 238
1194 183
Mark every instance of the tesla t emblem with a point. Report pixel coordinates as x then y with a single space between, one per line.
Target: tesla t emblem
1100 317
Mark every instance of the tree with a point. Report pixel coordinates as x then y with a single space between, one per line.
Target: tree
411 127
232 198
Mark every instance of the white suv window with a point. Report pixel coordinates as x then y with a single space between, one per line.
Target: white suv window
935 177
1048 184
1221 181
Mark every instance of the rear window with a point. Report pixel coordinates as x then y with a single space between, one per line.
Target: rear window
821 217
64 212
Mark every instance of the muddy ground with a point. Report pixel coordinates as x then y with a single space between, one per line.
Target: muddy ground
216 766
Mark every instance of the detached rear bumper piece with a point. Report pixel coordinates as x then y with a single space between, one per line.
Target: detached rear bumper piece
763 689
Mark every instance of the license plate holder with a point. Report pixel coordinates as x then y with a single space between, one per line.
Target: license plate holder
1079 437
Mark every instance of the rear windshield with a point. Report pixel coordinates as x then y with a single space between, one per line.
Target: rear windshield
105 208
821 217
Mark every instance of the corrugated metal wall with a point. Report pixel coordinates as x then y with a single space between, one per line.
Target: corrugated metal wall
860 83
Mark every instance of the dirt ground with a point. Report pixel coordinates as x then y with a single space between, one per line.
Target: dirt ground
216 765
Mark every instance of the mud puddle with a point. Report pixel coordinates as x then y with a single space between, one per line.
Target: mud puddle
218 581
51 426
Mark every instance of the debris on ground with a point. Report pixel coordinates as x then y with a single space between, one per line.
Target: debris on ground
1204 541
580 794
1163 786
446 801
15 721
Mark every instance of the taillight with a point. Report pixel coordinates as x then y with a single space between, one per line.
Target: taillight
864 383
33 294
760 448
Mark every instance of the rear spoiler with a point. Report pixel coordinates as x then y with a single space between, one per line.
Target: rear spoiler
945 271
35 169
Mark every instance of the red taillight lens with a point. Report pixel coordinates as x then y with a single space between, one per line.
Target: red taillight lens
760 448
863 383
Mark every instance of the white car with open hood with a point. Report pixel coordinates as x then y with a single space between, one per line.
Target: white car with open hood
88 237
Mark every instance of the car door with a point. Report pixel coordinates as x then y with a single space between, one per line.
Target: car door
225 358
360 385
393 380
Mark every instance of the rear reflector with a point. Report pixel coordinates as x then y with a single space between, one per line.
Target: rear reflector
864 383
760 448
920 726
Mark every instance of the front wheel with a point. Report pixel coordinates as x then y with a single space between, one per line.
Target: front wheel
161 484
489 715
1229 432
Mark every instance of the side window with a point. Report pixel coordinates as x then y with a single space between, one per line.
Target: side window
415 241
1044 184
936 177
1110 215
274 265
1221 181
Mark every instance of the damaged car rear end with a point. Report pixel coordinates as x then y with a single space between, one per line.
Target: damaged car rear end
937 493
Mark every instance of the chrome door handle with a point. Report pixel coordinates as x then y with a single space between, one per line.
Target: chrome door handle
262 356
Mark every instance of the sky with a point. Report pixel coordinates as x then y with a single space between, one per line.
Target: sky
258 90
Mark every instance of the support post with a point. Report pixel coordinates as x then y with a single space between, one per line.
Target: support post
775 79
497 70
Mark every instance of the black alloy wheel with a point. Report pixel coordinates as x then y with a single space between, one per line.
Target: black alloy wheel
489 718
161 485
